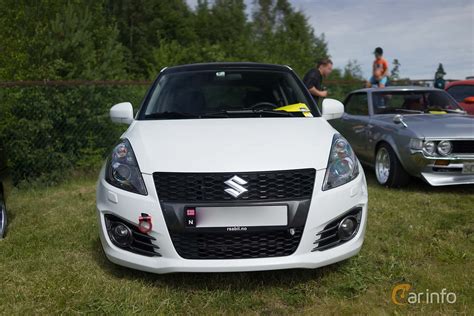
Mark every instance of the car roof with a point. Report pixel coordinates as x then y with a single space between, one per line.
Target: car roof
469 82
397 88
224 65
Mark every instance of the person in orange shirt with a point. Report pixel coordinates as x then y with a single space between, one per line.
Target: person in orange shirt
380 70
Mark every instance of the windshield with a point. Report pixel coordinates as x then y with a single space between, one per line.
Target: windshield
461 92
227 93
413 102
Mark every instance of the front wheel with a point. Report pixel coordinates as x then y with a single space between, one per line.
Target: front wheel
388 169
3 217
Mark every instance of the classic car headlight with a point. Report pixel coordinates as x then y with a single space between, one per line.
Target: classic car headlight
342 165
122 169
429 148
445 147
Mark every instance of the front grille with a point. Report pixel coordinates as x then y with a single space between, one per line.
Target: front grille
463 147
269 185
236 245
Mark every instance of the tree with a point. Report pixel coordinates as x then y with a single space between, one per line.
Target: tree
440 73
353 71
439 81
395 73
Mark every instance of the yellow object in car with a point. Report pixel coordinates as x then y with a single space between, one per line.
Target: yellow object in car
297 107
438 112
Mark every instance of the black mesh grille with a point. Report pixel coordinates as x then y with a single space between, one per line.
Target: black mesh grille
463 147
273 185
236 245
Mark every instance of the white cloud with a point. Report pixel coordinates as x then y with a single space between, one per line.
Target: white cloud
419 33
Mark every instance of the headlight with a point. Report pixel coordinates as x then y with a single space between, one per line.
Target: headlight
122 169
445 147
429 148
342 166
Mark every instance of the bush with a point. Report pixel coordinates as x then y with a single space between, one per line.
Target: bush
48 131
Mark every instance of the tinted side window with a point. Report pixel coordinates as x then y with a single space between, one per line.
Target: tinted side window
357 104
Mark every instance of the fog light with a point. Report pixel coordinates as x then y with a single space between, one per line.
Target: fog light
121 235
347 228
144 223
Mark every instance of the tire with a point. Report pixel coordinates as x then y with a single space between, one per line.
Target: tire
388 169
3 217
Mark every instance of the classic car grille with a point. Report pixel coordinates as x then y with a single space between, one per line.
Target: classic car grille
272 185
236 245
463 147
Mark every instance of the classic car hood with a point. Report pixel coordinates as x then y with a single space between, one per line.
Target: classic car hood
229 145
439 126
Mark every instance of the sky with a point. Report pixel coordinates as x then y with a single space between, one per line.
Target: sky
419 33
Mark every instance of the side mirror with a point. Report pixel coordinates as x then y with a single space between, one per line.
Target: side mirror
332 109
469 100
122 113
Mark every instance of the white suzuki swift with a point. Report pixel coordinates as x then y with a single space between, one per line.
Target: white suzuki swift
230 167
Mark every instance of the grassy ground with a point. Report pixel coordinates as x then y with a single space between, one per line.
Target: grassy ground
52 262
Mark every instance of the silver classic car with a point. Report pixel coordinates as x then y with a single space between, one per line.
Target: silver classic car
410 131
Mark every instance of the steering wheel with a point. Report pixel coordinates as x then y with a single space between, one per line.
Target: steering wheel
263 106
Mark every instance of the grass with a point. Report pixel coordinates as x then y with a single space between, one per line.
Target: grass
51 262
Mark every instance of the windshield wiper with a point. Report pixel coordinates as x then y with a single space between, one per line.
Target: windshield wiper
170 115
245 112
409 111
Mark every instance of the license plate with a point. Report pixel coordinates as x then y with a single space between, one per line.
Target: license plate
468 168
242 216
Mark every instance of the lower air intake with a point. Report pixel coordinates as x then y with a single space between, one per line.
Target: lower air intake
330 237
141 244
236 245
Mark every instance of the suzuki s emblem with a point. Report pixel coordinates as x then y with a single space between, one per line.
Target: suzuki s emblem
236 186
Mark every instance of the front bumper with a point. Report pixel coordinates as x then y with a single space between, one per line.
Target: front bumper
325 207
441 175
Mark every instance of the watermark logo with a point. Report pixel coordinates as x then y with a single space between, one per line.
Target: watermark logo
403 294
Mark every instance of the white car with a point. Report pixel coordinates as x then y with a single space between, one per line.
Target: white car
230 167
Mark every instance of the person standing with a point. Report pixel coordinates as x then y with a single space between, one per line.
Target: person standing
380 70
313 79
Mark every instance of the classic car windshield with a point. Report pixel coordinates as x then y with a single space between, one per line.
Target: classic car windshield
226 93
430 101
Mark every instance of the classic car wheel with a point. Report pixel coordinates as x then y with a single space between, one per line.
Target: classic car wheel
382 165
388 168
3 217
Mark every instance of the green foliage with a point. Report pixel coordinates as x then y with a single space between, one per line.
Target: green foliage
50 130
395 73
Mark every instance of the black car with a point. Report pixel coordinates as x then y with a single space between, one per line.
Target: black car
3 208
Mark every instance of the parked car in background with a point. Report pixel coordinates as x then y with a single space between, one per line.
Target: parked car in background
230 167
410 131
3 207
463 92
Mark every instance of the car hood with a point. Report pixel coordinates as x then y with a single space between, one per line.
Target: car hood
230 145
439 126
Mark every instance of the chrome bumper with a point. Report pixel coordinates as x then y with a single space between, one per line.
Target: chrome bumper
440 175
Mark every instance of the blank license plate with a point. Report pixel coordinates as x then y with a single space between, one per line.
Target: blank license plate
468 168
243 216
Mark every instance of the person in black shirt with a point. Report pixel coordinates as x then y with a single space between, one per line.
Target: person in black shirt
313 79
